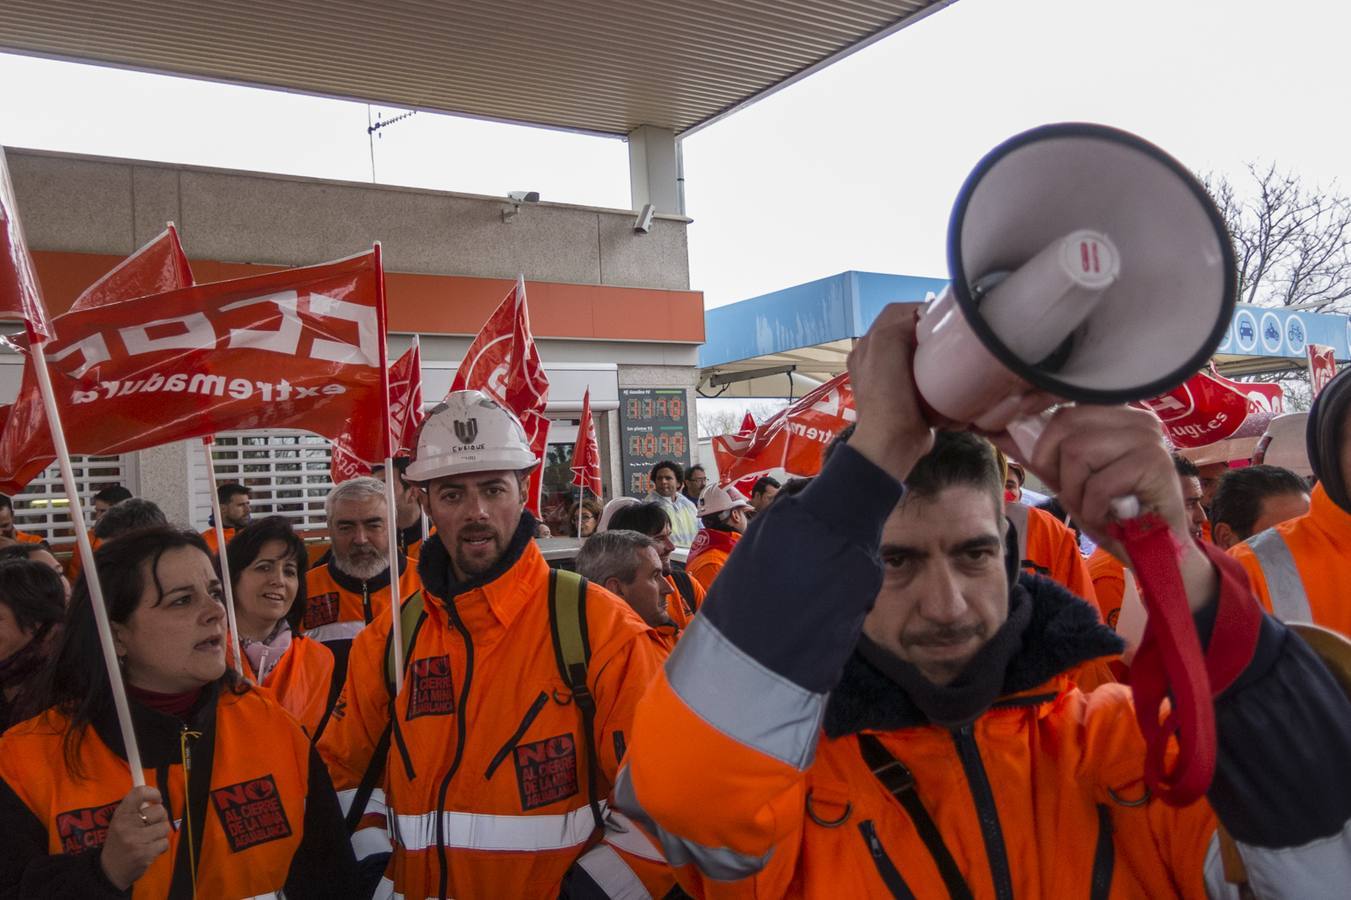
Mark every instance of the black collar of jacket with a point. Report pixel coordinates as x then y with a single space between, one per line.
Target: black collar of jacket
354 585
158 734
439 578
1048 631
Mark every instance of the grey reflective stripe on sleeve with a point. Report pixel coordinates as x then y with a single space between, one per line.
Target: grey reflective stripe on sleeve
744 700
1288 600
720 864
612 875
1320 868
1017 514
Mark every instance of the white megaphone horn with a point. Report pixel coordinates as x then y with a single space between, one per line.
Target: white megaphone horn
1087 265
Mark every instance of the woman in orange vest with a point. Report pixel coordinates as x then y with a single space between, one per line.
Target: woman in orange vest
268 563
236 803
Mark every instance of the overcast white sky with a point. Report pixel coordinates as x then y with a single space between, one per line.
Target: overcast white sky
853 168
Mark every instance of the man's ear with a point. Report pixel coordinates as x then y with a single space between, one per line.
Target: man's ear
614 586
1223 536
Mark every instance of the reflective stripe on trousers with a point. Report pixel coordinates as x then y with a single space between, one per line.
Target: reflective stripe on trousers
484 831
1286 588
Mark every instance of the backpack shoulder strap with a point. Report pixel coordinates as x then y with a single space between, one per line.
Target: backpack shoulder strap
411 614
686 588
572 652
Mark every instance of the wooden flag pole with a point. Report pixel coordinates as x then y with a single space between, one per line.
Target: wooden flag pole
86 550
235 650
392 528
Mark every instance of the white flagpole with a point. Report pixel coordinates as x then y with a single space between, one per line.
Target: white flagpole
392 528
90 571
230 620
581 497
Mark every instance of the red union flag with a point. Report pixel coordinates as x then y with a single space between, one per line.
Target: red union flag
405 415
1322 366
586 452
1202 410
20 296
792 439
291 349
504 364
158 267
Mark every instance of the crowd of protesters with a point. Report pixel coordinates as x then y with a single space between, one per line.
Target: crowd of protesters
903 677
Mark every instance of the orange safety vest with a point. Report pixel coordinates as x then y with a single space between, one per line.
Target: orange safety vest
1300 569
486 780
302 682
24 537
1109 583
339 605
709 554
254 809
1048 547
76 566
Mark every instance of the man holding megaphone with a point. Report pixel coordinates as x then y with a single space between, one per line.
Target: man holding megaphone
906 729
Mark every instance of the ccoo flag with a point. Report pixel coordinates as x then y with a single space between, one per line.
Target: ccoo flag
290 349
504 364
792 439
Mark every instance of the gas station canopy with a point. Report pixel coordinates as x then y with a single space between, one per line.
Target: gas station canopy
599 66
784 343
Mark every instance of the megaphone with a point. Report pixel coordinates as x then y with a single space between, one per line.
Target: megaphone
1089 266
1086 265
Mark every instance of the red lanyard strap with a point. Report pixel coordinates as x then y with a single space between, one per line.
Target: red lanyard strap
1169 664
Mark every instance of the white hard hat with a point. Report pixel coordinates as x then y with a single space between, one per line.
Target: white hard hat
611 508
469 432
716 499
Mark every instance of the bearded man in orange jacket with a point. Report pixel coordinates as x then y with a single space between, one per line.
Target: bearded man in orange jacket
496 771
905 727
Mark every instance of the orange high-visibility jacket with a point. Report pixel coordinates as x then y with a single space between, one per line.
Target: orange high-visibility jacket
76 566
1049 548
1301 568
210 537
709 554
269 819
339 605
1041 795
678 606
24 537
1109 583
486 780
301 681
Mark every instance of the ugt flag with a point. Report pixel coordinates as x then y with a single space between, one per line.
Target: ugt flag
586 452
792 439
292 349
504 364
20 296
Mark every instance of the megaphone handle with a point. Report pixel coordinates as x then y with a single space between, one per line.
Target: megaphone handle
1026 432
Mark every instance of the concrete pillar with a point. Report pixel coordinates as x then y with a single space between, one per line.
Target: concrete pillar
164 479
654 169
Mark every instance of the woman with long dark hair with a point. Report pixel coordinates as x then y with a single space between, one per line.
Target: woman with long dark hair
32 604
236 803
267 571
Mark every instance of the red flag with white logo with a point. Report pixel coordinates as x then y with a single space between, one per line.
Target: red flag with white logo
747 484
159 266
290 349
586 452
20 295
1322 366
792 439
504 364
405 413
1202 410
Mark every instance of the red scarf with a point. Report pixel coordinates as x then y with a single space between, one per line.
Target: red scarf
712 539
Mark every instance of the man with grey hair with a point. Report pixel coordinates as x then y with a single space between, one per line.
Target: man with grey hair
352 587
627 564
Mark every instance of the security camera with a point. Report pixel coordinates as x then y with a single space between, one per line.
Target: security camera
643 224
523 196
